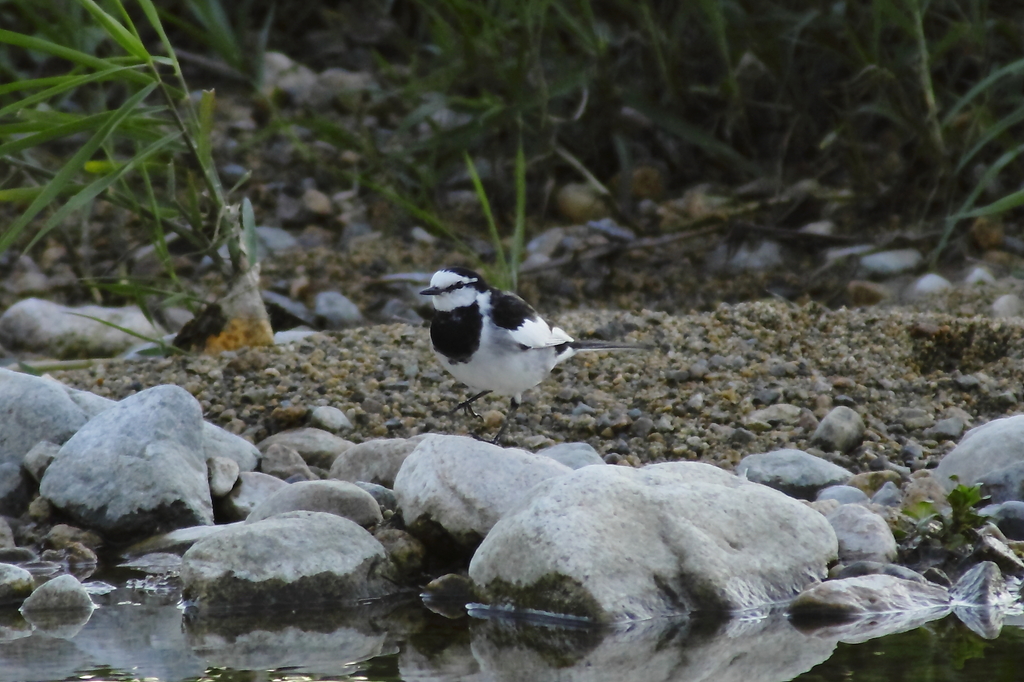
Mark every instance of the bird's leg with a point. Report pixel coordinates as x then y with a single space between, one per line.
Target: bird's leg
513 406
467 405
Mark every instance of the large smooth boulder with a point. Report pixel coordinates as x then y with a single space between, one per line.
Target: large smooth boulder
300 559
135 469
863 535
220 443
33 409
983 451
794 472
463 486
615 544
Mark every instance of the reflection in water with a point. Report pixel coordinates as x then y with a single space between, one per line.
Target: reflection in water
404 641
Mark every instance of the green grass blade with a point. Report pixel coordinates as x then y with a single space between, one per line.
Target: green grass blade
519 231
76 56
992 133
68 83
130 43
57 185
492 227
1013 68
1010 201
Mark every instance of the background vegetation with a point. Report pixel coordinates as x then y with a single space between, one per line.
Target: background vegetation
915 105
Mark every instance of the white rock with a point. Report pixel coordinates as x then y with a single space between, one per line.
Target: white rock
888 263
42 326
300 557
573 455
863 535
223 474
1007 305
220 443
869 594
330 419
135 468
930 283
466 485
15 583
618 544
979 275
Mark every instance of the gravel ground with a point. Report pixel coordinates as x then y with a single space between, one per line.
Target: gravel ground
692 397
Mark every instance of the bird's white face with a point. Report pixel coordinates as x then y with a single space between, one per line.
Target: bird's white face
450 290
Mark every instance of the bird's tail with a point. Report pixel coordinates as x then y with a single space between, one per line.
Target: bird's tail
580 346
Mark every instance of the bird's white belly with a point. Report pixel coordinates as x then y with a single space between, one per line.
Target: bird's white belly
504 372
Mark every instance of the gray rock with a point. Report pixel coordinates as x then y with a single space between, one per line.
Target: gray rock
1005 484
983 451
888 495
333 497
618 544
844 494
6 538
1008 516
573 455
220 443
15 584
336 310
888 263
914 418
253 487
374 461
296 309
275 239
385 496
794 472
33 409
284 462
465 485
842 429
979 275
868 594
45 327
39 458
223 474
330 419
61 593
863 535
153 440
945 429
317 447
301 557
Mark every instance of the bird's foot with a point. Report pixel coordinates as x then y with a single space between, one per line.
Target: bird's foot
467 405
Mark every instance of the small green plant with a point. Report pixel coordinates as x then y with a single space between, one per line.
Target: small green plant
957 527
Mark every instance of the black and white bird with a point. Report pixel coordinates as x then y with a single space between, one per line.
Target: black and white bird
493 341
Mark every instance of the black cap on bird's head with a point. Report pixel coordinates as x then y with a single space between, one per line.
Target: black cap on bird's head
447 280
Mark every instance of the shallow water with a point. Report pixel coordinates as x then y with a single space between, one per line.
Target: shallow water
139 635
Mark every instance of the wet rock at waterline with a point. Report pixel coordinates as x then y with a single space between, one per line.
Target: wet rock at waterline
153 441
616 544
59 607
299 559
457 487
866 594
984 451
15 584
34 409
794 472
333 497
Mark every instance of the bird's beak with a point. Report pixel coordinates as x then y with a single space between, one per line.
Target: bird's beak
430 291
